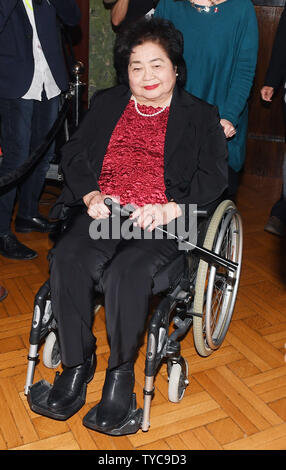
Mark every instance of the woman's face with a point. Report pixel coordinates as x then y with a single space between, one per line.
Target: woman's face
152 76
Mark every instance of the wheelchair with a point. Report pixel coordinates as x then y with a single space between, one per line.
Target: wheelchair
201 297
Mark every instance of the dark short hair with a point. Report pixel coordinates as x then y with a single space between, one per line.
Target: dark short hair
157 30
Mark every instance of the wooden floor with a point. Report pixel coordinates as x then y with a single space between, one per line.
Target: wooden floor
236 398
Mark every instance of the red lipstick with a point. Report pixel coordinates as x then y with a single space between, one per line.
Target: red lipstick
151 87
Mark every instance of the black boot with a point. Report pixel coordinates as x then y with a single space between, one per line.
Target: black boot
71 385
66 396
117 404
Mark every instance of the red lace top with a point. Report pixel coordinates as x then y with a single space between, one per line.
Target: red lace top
133 166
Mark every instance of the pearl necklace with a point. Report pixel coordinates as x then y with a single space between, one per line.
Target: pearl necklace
147 115
205 8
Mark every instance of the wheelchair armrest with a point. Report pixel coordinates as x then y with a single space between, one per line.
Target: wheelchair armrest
201 213
207 211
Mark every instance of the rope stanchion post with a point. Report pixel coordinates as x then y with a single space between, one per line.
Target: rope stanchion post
76 90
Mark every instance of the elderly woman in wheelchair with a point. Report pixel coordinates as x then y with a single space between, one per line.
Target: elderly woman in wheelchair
147 144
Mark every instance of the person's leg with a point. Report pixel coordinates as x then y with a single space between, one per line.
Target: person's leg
44 115
127 284
276 223
279 209
76 266
77 262
16 117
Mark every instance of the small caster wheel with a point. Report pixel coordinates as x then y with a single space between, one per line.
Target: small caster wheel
178 380
51 352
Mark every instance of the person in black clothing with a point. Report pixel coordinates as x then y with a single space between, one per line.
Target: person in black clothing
124 12
275 76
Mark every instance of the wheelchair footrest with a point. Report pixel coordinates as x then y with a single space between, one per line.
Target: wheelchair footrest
38 396
130 425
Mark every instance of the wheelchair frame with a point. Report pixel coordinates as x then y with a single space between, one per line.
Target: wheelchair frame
213 271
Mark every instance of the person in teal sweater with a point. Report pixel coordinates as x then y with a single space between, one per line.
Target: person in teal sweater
220 50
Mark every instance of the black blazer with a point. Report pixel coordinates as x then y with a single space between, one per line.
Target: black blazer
276 72
16 34
195 153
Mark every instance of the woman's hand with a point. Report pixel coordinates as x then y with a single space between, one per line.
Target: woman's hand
267 93
152 215
228 128
96 208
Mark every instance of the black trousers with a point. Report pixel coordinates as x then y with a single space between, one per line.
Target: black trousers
124 268
24 125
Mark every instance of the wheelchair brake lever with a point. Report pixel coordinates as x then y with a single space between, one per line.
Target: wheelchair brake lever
212 257
209 256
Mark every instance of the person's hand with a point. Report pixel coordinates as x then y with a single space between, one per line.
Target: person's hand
152 215
267 93
96 208
228 127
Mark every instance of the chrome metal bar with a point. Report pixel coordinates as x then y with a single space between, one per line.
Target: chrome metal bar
33 356
148 392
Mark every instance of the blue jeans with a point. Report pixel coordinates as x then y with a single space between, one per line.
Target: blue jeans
24 125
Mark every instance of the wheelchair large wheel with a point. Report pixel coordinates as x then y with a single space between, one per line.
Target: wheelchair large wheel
216 287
